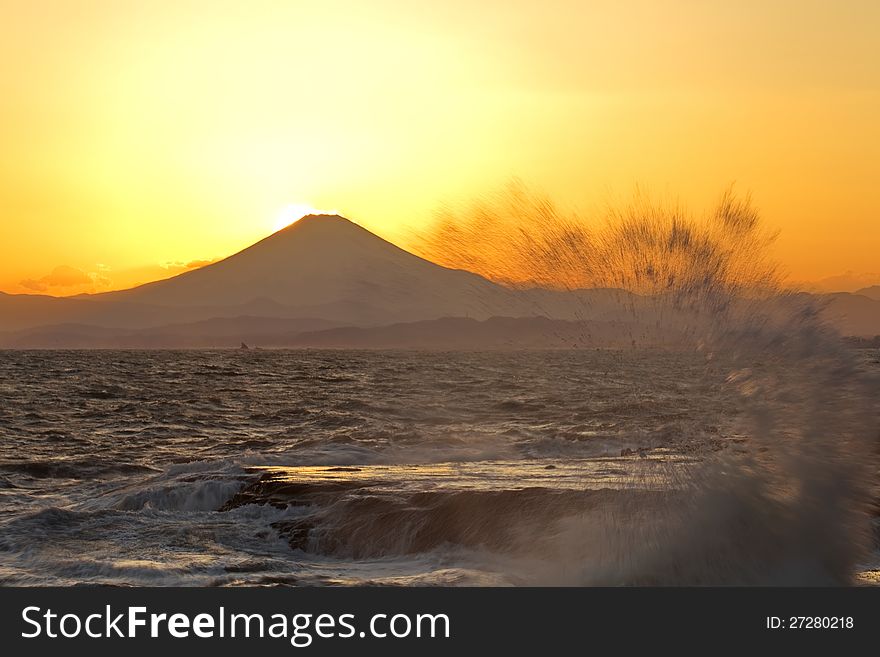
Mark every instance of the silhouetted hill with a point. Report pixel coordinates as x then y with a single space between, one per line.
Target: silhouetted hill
218 333
872 292
853 314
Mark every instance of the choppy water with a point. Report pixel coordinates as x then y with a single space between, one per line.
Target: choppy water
286 467
321 467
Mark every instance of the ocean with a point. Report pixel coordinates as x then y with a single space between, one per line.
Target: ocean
253 467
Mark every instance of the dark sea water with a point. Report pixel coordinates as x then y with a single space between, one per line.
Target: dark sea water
306 467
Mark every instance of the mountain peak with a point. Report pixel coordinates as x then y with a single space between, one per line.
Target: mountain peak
309 219
333 225
314 234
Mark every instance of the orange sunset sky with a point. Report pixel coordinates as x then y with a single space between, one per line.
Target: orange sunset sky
141 138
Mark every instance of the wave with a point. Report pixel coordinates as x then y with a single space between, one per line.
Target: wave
71 468
371 526
793 503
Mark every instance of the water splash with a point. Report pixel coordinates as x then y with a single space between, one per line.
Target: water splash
790 504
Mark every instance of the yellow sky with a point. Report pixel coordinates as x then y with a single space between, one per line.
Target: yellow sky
139 137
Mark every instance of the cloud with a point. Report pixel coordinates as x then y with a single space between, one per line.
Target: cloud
33 284
65 280
65 277
198 264
179 266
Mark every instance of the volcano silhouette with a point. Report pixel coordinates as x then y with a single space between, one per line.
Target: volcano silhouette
327 266
322 273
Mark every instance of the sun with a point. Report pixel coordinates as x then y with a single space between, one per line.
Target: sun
293 212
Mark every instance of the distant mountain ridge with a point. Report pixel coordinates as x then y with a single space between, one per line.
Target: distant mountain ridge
326 279
872 292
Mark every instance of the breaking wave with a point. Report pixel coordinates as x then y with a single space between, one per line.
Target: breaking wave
792 505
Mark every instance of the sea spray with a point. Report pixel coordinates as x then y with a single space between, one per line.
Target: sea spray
787 505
